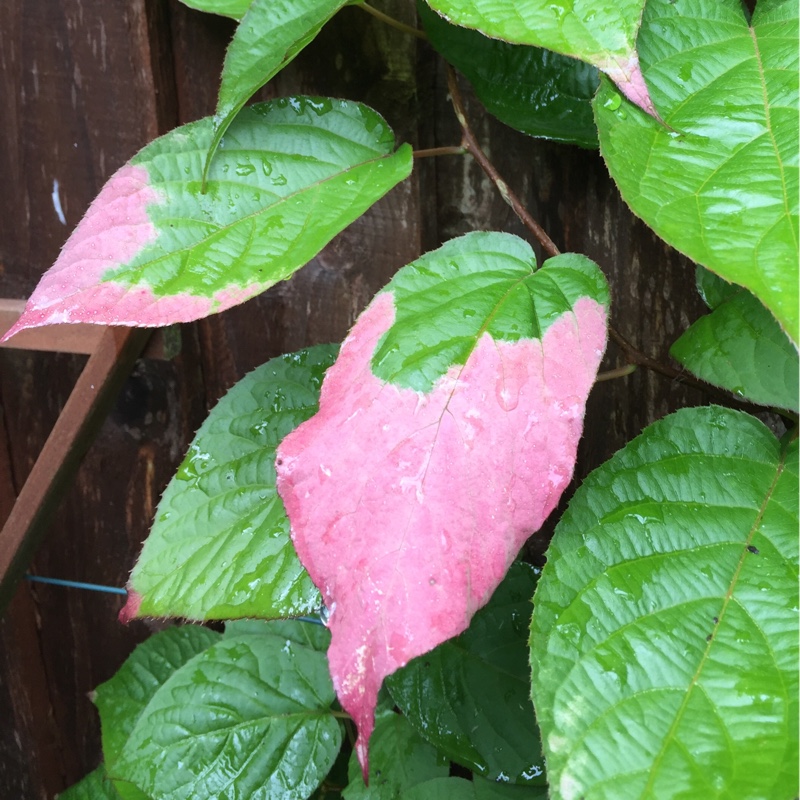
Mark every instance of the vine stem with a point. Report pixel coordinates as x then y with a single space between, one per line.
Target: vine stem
394 23
470 143
619 372
455 150
634 356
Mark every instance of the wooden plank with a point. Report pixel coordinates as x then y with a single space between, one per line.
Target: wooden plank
78 338
96 389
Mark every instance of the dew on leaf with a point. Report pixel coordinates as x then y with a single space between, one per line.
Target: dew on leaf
612 102
245 169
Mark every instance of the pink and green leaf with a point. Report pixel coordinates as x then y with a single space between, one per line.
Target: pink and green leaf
154 249
599 32
447 431
719 180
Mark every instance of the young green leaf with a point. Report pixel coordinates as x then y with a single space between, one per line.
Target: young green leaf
664 638
447 431
309 634
531 89
219 547
270 35
470 697
235 9
248 719
740 347
153 249
476 789
719 180
401 759
600 32
94 786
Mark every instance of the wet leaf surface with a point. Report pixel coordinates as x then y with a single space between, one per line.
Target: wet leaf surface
719 179
664 637
447 431
740 347
219 547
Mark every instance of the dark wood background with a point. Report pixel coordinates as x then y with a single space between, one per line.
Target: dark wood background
84 84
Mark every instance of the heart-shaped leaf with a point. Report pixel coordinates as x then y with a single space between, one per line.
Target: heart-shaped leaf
664 638
400 759
536 91
235 9
446 433
740 347
220 547
153 249
270 35
248 719
471 695
718 180
600 32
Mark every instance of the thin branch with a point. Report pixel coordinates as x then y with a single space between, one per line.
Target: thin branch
456 150
394 23
619 372
637 357
634 356
471 144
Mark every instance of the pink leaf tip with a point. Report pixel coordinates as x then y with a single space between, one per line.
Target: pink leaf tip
630 81
115 228
130 610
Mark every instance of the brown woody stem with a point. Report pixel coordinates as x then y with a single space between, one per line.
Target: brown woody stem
469 141
394 23
455 150
634 356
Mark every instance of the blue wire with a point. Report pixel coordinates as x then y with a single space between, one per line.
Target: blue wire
95 587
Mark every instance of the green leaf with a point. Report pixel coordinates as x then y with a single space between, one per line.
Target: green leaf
227 8
270 35
664 638
153 249
399 759
470 697
531 89
94 786
718 180
740 347
248 719
480 282
476 789
309 634
220 545
600 32
121 700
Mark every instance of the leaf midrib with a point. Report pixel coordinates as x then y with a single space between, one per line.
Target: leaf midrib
765 97
678 719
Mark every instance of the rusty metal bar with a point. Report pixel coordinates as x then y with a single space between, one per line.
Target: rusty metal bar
95 391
